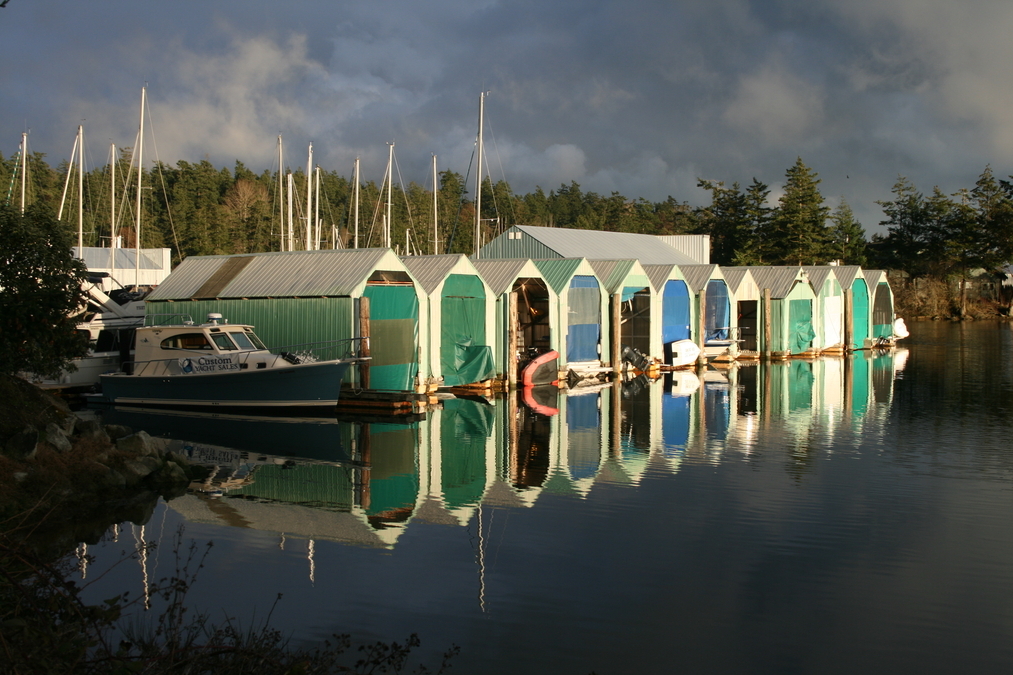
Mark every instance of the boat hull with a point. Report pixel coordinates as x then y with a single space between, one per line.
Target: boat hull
306 385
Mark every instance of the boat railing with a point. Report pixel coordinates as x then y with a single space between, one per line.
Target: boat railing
168 320
308 352
328 350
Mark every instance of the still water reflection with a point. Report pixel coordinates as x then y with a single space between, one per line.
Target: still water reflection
833 515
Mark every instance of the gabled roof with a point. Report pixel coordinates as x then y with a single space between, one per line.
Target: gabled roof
274 275
501 273
599 245
735 277
818 275
874 277
779 279
559 271
697 276
659 275
846 274
432 270
615 273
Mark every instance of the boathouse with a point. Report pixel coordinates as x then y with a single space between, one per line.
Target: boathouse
583 311
882 305
713 322
459 313
302 297
541 243
828 317
857 308
787 330
745 298
672 307
631 301
527 314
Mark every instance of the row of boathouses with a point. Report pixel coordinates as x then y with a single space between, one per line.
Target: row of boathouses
599 300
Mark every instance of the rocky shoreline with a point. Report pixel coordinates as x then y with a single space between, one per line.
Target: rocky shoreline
58 468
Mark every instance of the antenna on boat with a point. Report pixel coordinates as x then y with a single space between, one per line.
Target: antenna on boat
478 176
356 186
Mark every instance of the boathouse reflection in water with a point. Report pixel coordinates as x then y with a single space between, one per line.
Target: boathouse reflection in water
365 483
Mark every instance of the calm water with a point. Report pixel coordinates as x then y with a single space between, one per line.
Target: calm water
833 516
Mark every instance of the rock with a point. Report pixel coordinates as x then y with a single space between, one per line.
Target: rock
173 473
138 444
55 436
109 477
91 430
136 470
117 431
22 445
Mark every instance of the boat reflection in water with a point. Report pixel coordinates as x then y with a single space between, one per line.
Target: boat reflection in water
365 483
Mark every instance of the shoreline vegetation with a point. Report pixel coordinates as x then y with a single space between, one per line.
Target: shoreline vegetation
66 480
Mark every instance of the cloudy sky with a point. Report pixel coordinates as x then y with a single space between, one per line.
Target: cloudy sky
640 97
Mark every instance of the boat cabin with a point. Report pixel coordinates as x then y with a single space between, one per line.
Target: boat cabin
215 346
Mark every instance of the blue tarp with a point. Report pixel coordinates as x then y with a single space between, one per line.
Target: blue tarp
583 319
583 421
675 312
675 424
719 310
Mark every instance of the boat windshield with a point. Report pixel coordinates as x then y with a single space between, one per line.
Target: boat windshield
244 341
223 342
254 339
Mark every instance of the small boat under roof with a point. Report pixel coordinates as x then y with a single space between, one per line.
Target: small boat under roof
222 365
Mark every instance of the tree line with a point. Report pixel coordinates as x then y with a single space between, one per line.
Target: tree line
199 209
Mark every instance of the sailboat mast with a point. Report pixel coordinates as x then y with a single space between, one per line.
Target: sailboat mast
478 176
436 237
316 207
70 172
356 202
112 207
390 175
281 196
140 167
24 168
291 237
309 200
80 191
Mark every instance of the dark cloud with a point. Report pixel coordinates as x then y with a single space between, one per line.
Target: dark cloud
640 98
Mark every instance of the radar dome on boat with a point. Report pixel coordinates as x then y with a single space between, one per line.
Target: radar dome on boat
214 317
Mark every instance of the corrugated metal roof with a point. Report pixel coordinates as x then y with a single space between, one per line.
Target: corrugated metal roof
697 276
432 270
847 274
696 246
659 275
559 271
874 277
818 275
779 279
598 245
502 273
618 274
277 275
738 278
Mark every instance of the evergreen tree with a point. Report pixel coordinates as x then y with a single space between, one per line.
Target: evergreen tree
798 231
847 236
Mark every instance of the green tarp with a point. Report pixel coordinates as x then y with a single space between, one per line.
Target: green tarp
394 330
464 356
800 325
464 432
